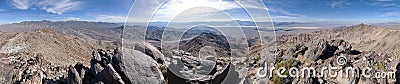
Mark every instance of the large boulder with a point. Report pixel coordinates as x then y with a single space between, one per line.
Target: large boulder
141 68
109 76
115 67
73 76
317 49
323 49
342 46
151 51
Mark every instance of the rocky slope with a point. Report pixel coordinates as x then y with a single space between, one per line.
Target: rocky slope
362 37
29 68
57 48
216 41
106 66
362 45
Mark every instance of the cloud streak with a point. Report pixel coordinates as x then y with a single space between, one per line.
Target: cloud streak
71 19
2 10
391 14
52 6
109 18
60 6
22 4
335 3
340 4
285 12
383 0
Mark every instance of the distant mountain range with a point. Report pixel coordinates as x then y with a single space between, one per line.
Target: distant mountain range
83 29
237 23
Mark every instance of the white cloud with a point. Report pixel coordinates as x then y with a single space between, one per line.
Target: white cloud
382 3
391 14
385 5
335 3
52 6
284 12
340 4
2 10
71 19
383 0
284 15
59 6
109 18
294 19
22 4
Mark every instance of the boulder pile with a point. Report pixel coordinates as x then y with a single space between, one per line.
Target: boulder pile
106 66
326 53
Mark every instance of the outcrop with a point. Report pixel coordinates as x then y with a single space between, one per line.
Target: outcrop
363 46
106 66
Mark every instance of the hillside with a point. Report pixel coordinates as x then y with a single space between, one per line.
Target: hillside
362 46
362 37
57 48
217 42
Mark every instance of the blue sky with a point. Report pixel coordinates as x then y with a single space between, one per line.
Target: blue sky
60 10
336 10
372 11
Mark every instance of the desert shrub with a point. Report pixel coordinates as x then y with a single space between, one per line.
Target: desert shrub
380 66
286 64
164 71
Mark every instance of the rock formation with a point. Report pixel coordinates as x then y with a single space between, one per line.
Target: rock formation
324 53
106 66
